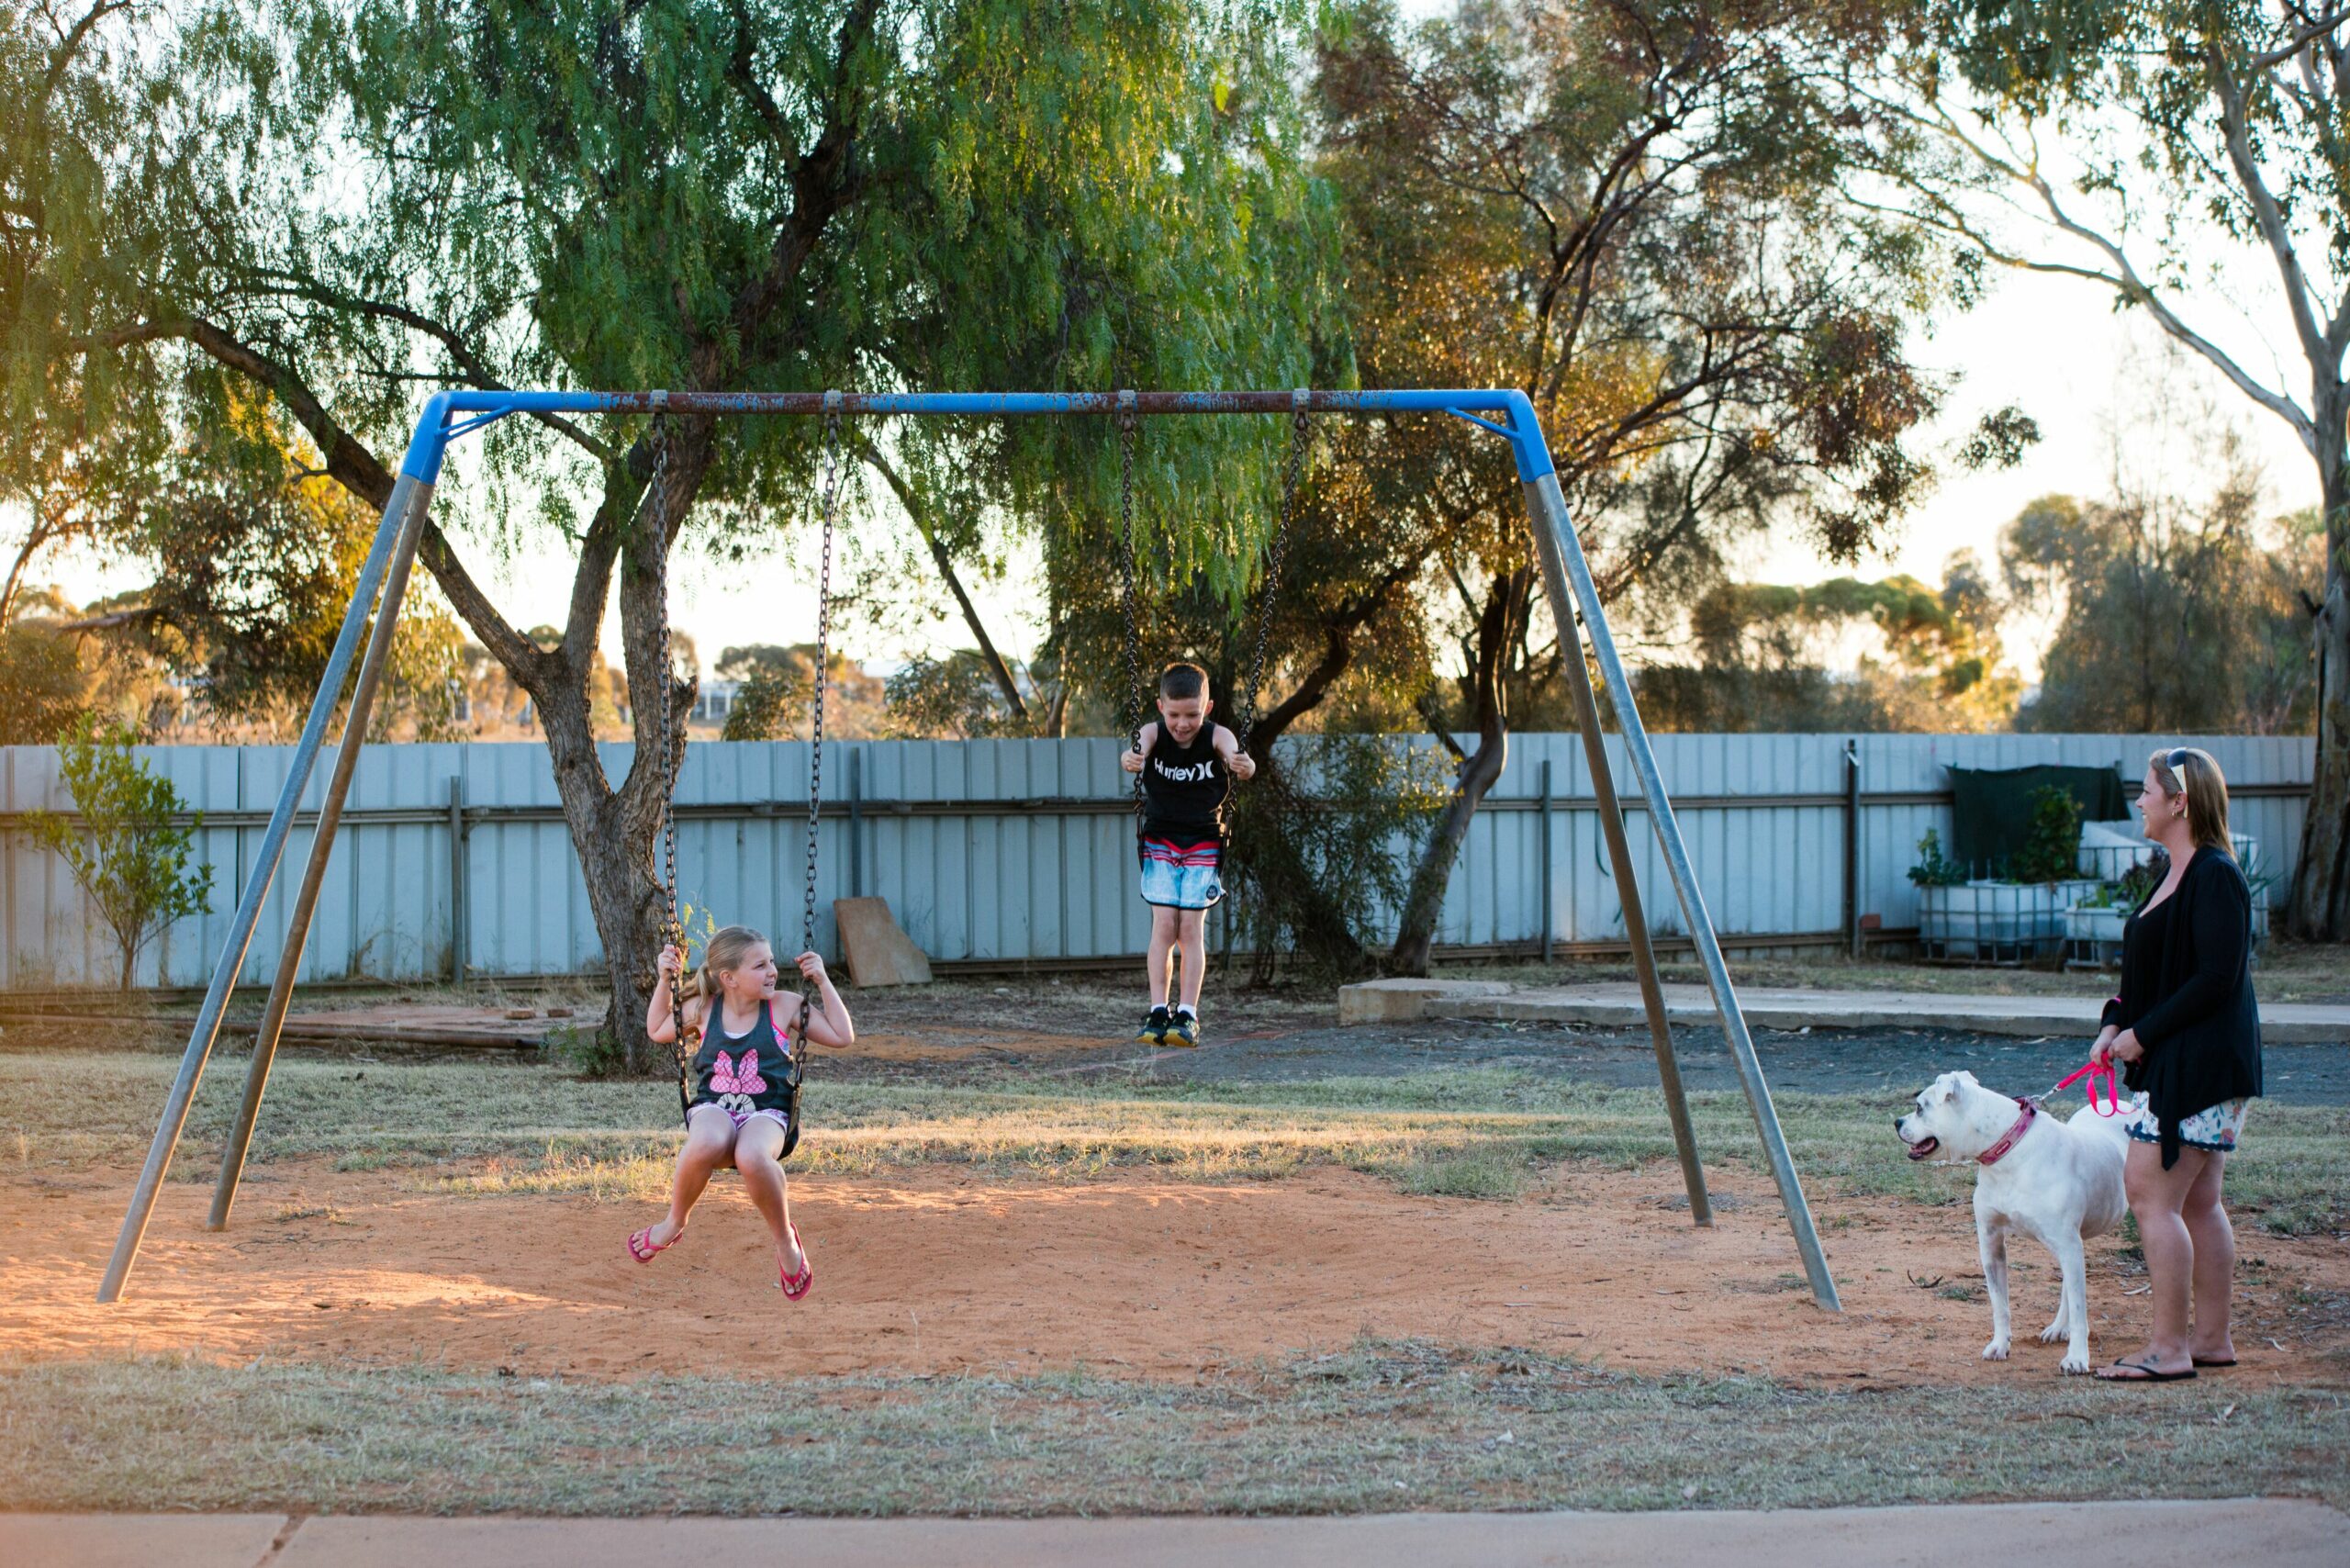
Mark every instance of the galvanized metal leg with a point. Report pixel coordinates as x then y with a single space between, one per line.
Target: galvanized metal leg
1628 881
305 899
1555 539
405 495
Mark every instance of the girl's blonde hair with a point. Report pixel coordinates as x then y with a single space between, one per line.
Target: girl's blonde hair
2196 772
726 949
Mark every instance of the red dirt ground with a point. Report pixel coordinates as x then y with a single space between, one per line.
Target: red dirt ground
937 1269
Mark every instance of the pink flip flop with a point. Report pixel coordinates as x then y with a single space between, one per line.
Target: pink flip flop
641 1246
799 1285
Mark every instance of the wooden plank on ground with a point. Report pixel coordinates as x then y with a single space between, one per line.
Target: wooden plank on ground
878 953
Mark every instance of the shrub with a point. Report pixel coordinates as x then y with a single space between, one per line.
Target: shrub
1931 869
121 845
2052 845
1322 854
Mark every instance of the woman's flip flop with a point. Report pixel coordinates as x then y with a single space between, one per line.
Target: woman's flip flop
799 1285
2148 1372
642 1249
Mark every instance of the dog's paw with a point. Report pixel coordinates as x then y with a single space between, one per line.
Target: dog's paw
1996 1350
2058 1330
2074 1366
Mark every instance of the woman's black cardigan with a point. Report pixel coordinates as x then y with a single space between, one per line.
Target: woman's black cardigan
2202 1033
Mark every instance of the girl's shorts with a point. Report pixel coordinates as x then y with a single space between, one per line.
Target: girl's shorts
738 1117
2214 1128
1180 876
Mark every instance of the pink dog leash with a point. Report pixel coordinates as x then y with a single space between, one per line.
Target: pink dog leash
2096 1072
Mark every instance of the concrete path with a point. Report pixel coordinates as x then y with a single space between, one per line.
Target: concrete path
1617 1004
2274 1533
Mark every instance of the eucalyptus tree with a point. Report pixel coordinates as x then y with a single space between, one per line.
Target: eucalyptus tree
2139 142
325 208
1632 211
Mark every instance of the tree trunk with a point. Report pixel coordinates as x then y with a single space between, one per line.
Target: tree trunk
2320 907
616 848
1423 903
1322 930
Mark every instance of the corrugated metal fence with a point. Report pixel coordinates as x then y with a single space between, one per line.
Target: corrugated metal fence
1012 852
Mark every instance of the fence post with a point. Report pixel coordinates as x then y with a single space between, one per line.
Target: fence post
457 933
1852 845
1544 854
856 825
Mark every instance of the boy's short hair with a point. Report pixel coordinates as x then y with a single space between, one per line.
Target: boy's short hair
1182 681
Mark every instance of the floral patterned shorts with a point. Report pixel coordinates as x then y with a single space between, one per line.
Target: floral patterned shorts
2215 1127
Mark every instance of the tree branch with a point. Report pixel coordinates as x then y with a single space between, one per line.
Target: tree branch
2124 278
2322 357
918 510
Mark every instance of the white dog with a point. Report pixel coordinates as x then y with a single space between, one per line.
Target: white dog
2057 1180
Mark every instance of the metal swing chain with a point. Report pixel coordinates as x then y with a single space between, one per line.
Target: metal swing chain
1128 704
1292 472
673 930
816 725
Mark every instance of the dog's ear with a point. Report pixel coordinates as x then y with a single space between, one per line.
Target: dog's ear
1950 1089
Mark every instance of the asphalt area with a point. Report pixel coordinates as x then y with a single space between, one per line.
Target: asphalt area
1821 1061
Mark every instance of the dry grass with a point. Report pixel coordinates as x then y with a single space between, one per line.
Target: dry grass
1384 1426
476 1128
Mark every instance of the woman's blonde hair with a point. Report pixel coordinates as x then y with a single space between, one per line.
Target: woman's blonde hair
2196 773
727 947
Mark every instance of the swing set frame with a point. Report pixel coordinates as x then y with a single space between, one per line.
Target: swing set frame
448 415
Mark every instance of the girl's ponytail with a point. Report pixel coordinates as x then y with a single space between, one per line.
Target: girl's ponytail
726 949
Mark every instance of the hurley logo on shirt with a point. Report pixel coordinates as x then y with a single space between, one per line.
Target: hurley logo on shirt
1197 773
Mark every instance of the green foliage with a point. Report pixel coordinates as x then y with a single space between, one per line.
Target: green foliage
1933 869
2174 614
312 212
765 706
1763 655
2133 888
1322 847
46 686
956 696
253 575
774 700
2052 845
124 849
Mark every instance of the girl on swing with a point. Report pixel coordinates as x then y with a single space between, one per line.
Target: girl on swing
739 1109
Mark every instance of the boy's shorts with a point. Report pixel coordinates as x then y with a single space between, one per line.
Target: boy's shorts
1180 876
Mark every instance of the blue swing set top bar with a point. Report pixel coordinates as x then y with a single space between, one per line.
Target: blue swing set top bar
436 427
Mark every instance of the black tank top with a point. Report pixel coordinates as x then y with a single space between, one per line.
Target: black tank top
743 1072
1183 789
2143 938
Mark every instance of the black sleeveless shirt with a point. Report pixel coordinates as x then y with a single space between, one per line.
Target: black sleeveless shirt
743 1072
1183 789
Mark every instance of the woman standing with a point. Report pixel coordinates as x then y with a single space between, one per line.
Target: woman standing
2187 1032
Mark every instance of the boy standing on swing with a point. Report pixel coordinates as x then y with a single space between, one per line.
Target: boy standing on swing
1187 766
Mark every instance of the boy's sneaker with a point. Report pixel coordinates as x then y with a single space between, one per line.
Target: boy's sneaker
1154 1028
1184 1030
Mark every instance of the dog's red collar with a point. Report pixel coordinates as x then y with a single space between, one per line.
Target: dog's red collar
2013 1136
